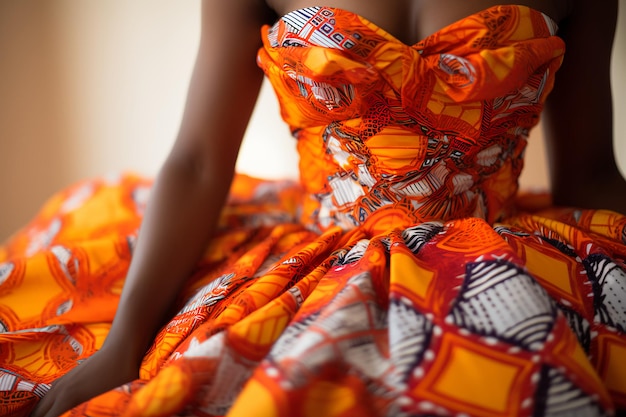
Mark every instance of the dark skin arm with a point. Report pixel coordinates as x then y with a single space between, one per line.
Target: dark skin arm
186 201
578 117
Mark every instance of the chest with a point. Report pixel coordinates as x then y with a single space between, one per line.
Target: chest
412 20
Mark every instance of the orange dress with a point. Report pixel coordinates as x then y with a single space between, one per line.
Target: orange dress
397 279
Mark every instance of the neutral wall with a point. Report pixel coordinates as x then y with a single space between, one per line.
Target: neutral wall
89 87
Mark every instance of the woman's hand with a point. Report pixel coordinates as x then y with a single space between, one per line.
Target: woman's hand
103 371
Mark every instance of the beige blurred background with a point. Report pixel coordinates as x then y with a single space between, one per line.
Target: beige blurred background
92 87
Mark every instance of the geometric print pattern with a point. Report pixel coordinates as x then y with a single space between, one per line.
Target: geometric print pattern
609 285
393 281
436 129
562 398
502 301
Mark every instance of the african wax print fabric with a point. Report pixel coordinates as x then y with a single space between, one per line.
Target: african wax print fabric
397 279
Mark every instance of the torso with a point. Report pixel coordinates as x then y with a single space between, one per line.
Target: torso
429 130
413 20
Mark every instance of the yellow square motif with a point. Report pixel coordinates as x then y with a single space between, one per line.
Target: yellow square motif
613 367
472 378
552 271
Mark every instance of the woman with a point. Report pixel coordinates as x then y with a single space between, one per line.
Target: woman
407 255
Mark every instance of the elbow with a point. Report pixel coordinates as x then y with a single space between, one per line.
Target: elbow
197 168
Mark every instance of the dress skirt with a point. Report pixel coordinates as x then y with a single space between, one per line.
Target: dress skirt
522 317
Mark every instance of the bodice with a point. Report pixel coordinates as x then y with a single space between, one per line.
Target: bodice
435 130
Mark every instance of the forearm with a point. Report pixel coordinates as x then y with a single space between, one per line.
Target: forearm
183 209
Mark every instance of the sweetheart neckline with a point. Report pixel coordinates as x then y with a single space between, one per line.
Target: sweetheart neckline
391 37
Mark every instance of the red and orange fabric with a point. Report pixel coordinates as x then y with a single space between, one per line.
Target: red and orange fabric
396 279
